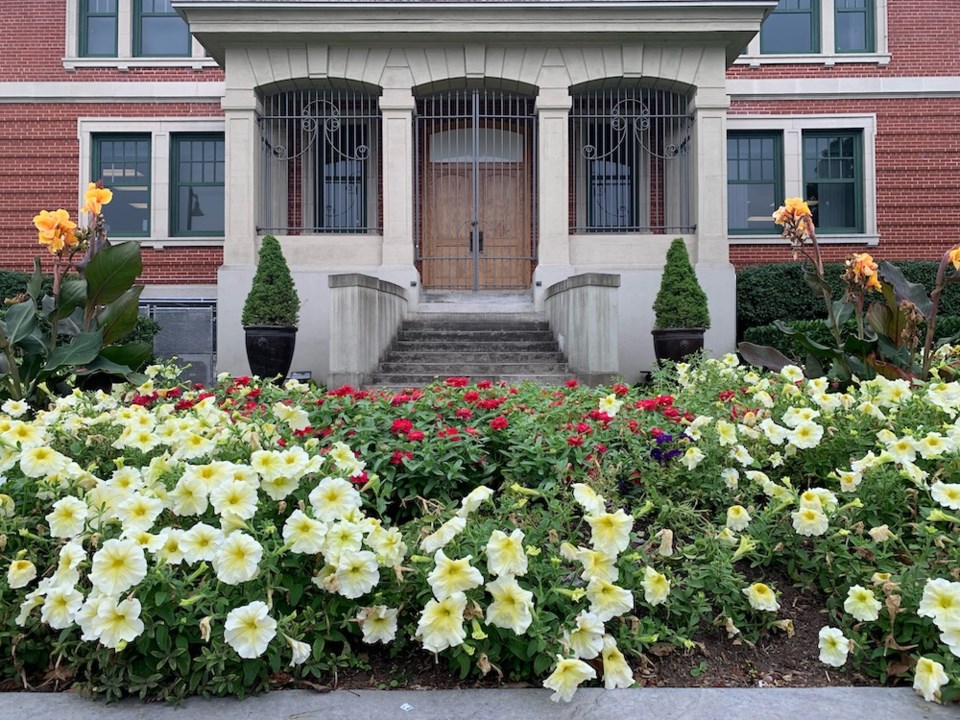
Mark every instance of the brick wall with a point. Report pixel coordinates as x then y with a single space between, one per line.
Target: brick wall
918 173
922 41
35 45
39 169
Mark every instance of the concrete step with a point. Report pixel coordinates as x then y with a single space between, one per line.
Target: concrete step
435 334
420 354
453 322
454 367
468 345
395 380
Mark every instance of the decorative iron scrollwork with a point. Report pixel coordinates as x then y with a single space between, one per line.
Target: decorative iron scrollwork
318 118
630 115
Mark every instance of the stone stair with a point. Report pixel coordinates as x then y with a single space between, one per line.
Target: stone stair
513 347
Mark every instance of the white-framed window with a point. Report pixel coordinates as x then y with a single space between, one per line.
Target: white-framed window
130 33
161 171
824 32
827 159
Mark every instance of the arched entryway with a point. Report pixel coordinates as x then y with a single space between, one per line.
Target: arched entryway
476 190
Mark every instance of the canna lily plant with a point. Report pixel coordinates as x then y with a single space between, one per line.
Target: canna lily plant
77 329
883 324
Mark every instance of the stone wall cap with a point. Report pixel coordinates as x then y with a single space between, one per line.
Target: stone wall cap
609 280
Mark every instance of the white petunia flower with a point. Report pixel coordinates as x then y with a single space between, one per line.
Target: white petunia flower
566 678
118 566
332 498
304 534
117 622
249 629
443 535
238 558
68 517
474 499
60 606
862 604
737 518
834 647
357 573
505 553
762 597
586 640
379 624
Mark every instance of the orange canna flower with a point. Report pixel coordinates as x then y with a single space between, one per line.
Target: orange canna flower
95 198
862 270
55 229
793 209
954 257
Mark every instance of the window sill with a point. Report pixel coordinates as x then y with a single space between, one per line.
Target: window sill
163 243
852 239
814 59
70 64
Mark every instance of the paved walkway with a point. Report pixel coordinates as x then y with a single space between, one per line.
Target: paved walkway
637 704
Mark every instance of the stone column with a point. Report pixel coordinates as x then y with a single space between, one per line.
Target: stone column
242 192
712 259
396 108
553 188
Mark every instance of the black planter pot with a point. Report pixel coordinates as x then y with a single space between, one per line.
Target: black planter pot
676 343
270 349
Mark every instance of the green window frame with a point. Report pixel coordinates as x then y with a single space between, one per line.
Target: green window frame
755 184
197 185
123 162
833 180
855 29
98 28
159 31
792 28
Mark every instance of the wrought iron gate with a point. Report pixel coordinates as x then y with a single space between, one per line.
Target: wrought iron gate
476 190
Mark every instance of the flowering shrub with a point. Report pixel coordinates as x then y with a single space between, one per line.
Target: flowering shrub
166 541
895 320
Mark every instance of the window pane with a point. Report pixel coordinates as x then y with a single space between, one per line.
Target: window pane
123 162
198 186
342 201
793 27
833 168
101 36
164 36
755 190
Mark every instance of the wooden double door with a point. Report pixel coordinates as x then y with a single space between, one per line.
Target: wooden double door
476 191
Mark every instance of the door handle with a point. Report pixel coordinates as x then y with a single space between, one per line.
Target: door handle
479 244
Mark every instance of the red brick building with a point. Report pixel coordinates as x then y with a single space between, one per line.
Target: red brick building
852 103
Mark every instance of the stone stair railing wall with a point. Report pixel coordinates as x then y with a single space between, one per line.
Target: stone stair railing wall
584 315
365 316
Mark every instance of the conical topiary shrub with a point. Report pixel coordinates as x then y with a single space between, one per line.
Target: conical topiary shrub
681 302
273 298
270 314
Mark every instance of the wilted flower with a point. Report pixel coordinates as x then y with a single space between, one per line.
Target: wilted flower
928 678
761 597
737 518
20 574
379 624
861 273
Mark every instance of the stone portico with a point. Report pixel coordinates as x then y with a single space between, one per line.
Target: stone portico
548 51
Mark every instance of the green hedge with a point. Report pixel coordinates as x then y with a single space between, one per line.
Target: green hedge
947 326
777 292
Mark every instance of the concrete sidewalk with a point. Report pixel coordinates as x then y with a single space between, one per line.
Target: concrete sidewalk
528 704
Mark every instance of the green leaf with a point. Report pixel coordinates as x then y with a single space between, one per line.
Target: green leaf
112 271
82 350
73 294
542 663
763 356
132 355
806 341
20 321
906 290
34 343
36 280
117 319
